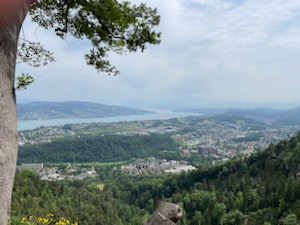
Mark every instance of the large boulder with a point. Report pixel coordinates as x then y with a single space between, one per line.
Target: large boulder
165 214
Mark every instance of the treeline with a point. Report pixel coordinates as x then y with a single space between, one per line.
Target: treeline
98 149
263 189
76 201
259 190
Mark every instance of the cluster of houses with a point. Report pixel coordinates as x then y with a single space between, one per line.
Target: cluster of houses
156 166
146 166
56 174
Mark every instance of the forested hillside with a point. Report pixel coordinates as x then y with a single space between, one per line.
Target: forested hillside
275 116
78 201
260 189
74 109
97 148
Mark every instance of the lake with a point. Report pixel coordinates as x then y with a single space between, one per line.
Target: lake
158 115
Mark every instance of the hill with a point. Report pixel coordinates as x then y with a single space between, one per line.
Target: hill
274 116
73 109
97 148
262 189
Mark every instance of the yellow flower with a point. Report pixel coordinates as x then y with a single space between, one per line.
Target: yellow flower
47 220
23 220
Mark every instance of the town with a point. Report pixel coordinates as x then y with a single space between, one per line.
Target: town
54 173
218 137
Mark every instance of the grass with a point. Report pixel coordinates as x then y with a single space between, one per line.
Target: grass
100 186
113 128
89 164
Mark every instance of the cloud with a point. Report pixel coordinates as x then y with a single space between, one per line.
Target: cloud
233 50
253 22
210 5
289 39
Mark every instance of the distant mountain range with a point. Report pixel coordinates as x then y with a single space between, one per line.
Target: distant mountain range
73 109
279 116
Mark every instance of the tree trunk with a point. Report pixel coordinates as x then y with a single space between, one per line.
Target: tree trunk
12 14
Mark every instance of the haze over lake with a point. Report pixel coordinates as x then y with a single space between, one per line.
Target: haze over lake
158 115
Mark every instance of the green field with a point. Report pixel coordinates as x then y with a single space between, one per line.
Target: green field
114 128
89 164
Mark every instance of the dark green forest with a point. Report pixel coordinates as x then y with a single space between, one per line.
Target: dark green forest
98 149
261 189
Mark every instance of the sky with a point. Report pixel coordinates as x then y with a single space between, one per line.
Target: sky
212 52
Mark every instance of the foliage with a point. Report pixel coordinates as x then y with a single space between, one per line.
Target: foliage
33 53
98 149
260 189
24 81
77 201
109 25
49 219
257 190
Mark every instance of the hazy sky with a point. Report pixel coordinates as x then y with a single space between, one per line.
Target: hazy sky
211 51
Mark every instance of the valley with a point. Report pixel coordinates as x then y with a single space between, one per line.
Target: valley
201 140
221 169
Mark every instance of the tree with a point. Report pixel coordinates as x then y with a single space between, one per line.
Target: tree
232 218
290 219
217 213
108 24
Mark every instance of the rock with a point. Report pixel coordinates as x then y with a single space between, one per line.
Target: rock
166 214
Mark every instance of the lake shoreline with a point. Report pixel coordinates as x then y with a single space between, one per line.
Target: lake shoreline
158 114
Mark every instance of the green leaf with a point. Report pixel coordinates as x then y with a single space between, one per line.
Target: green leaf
24 81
